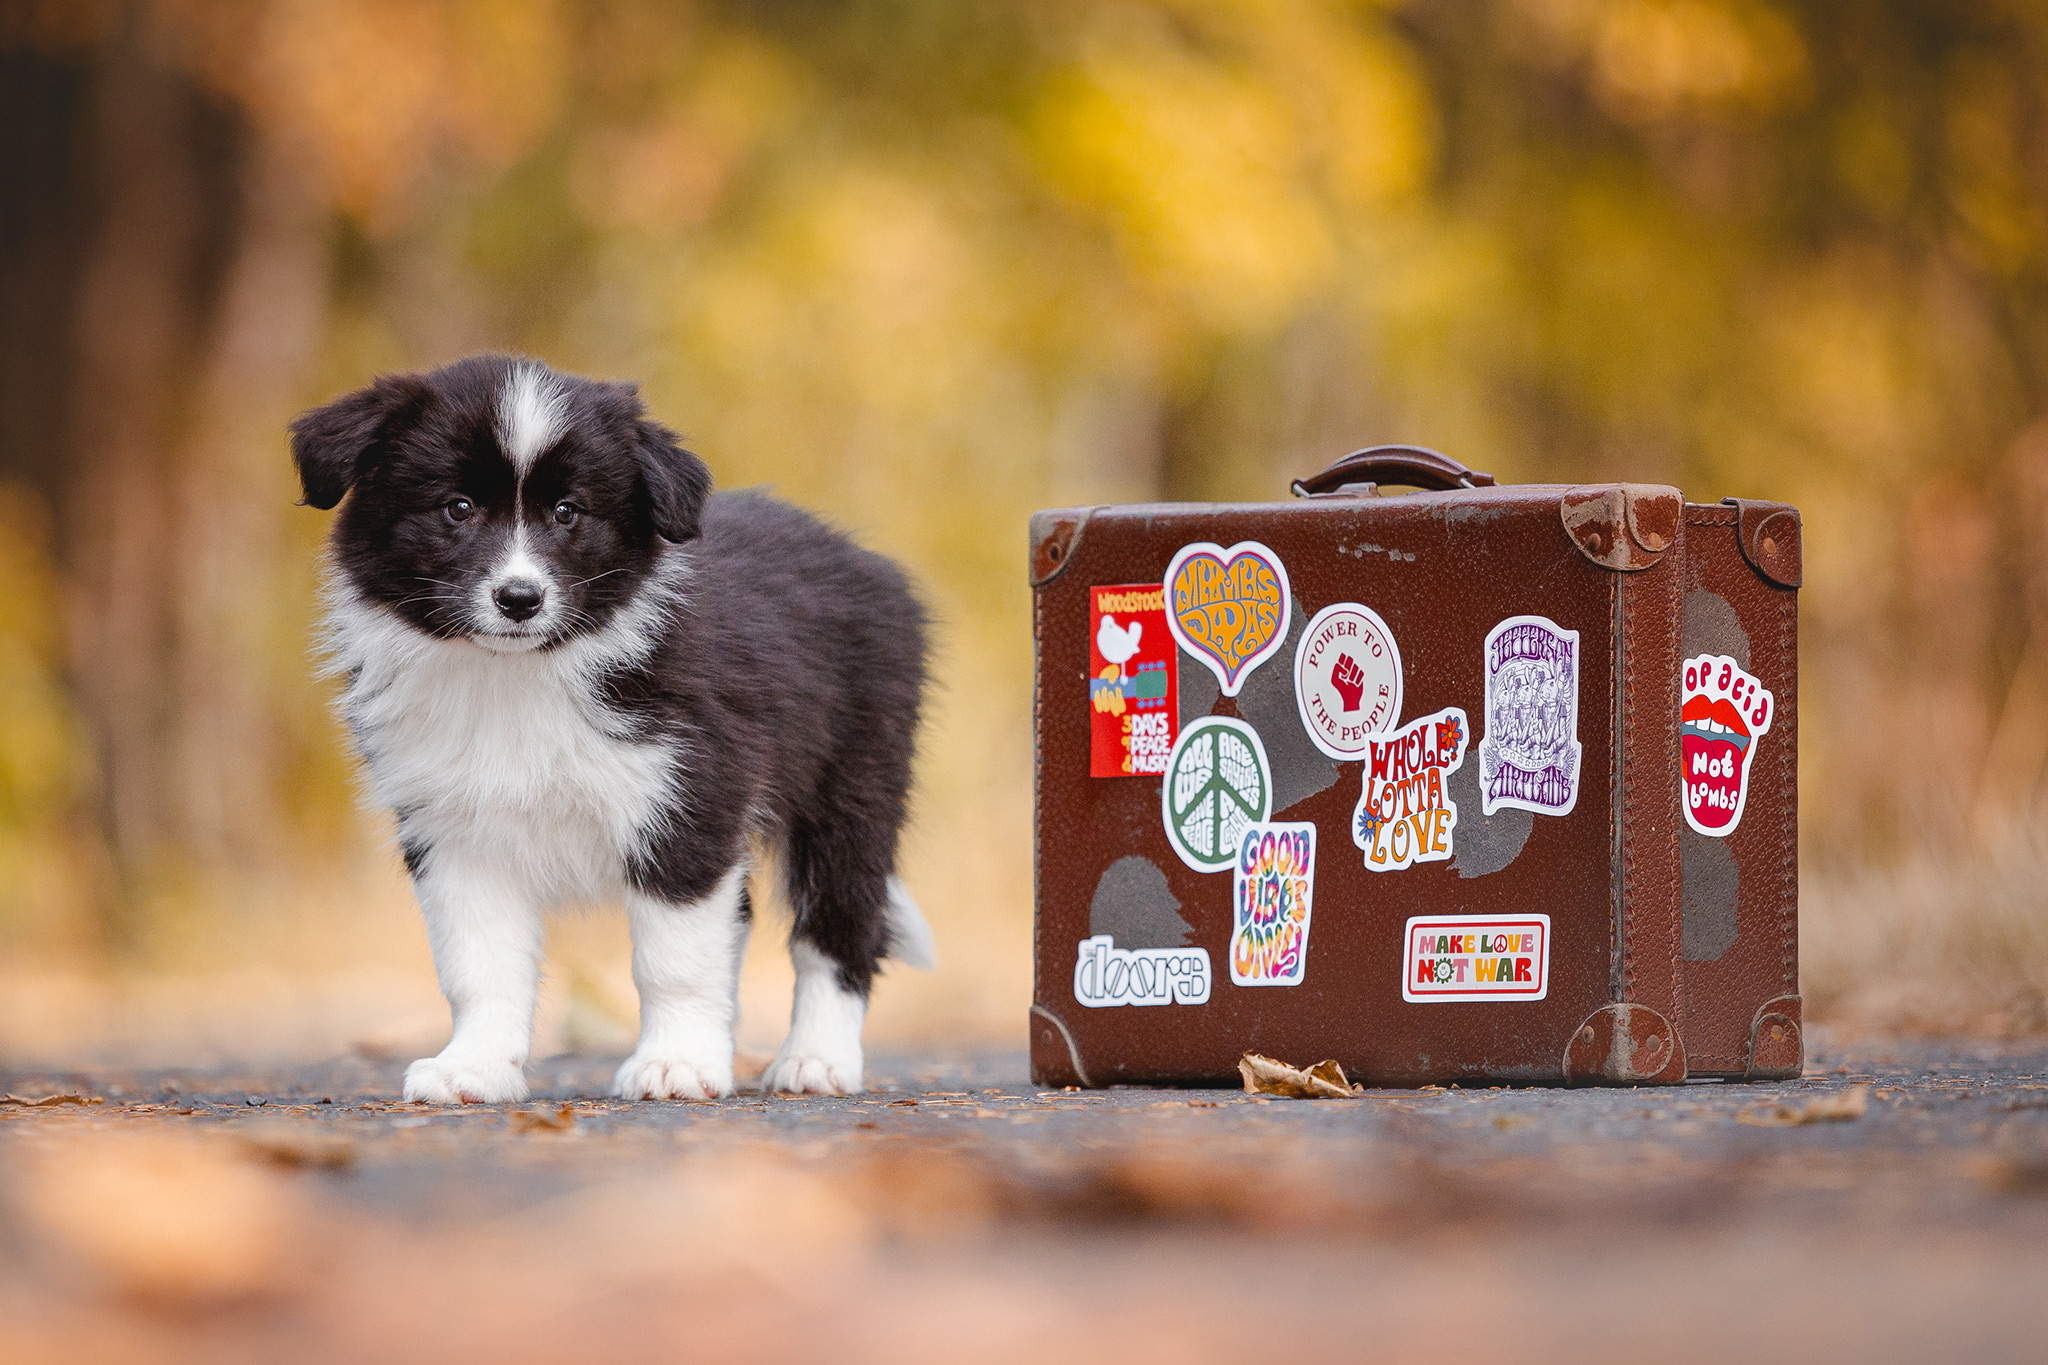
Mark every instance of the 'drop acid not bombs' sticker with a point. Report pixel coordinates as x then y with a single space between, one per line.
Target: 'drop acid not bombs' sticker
1275 883
1133 697
1725 714
1217 784
1227 608
1405 814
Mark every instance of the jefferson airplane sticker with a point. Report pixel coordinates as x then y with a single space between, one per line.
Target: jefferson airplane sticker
1476 957
1347 679
1726 713
1530 755
1405 814
1228 608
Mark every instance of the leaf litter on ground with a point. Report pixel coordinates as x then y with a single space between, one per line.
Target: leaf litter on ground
1324 1080
1852 1103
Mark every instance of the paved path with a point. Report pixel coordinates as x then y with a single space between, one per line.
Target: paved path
958 1212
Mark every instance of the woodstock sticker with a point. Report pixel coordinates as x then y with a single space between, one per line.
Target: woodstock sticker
1227 608
1405 814
1133 697
1106 975
1725 713
1276 884
1347 679
1529 757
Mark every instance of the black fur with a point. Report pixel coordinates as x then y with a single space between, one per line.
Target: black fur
789 678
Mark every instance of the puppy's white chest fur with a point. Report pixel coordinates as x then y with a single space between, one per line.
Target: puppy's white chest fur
508 756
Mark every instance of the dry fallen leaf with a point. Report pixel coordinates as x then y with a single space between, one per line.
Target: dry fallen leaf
1324 1080
49 1101
1850 1104
542 1121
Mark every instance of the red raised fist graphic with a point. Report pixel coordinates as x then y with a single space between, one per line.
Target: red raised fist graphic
1349 680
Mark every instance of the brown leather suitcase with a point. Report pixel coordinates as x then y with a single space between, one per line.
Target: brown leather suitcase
1475 783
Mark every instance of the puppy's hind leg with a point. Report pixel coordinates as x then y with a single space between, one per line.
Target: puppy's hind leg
686 962
840 899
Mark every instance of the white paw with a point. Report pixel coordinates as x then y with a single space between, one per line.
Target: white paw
652 1077
806 1074
465 1080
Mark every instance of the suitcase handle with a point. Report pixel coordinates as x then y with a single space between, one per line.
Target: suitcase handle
1391 464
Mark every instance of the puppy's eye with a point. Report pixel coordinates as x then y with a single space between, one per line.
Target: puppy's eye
565 513
459 509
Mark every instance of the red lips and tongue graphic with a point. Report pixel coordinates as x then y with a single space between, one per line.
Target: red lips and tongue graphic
1712 746
1726 713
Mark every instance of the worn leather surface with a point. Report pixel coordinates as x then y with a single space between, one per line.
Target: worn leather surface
1442 569
1721 996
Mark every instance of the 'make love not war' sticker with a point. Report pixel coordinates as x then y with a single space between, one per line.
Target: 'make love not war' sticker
1725 714
1228 608
1218 784
1347 679
1276 885
1476 957
1405 814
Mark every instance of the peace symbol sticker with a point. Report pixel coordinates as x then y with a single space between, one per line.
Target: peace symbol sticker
1217 785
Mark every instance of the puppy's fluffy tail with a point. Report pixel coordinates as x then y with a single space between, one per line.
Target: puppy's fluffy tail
910 938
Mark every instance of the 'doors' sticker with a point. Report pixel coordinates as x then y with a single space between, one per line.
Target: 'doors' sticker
1405 814
1218 784
1529 756
1106 975
1228 608
1275 884
1476 957
1725 714
1133 700
1347 679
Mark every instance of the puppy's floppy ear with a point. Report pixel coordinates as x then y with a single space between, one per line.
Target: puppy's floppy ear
677 481
333 446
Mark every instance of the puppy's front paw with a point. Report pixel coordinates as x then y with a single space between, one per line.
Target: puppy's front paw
464 1080
653 1077
807 1074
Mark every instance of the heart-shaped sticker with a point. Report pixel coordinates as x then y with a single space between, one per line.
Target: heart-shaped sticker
1228 608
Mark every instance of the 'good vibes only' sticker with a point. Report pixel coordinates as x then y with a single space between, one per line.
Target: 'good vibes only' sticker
1725 714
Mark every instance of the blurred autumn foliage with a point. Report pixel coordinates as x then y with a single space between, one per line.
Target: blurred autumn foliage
928 264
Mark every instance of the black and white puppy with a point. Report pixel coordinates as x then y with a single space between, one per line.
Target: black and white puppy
574 673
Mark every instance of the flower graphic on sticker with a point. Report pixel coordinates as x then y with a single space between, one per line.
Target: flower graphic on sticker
1726 713
1218 784
1228 608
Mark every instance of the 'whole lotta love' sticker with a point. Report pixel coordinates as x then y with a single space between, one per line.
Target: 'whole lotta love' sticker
1227 608
1725 715
1405 813
1133 698
1275 885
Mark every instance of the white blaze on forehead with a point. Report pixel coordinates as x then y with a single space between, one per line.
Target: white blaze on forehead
531 413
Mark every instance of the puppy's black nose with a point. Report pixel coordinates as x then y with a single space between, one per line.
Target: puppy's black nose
519 598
